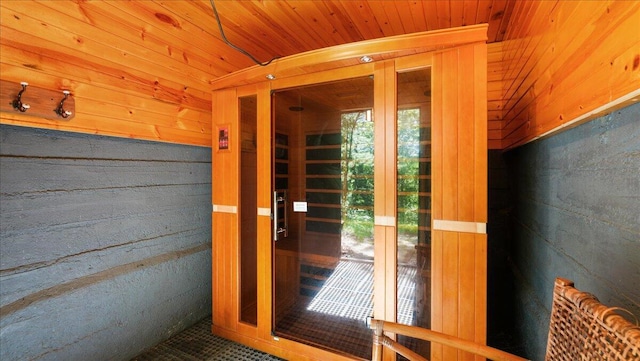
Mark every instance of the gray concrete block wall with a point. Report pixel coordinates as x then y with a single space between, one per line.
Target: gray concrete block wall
105 244
576 199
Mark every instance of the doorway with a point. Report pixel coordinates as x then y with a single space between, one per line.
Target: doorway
324 244
429 259
323 201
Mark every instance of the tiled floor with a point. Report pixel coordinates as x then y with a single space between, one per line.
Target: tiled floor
333 319
198 343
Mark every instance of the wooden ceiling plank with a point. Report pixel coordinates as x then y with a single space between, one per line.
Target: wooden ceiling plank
504 22
469 12
483 11
443 13
340 21
431 15
417 11
185 25
363 18
289 23
291 19
495 18
456 11
528 9
248 25
380 16
245 24
399 24
348 52
256 28
314 13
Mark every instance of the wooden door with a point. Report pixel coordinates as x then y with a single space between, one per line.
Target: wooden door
458 196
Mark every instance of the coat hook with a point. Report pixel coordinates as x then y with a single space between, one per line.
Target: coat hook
17 102
60 110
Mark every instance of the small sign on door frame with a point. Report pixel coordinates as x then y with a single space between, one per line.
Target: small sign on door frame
224 137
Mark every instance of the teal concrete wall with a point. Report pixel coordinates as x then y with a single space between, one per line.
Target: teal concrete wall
566 206
105 244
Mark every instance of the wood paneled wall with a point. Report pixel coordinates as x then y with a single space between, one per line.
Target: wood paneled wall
495 95
459 184
142 69
225 199
562 61
135 69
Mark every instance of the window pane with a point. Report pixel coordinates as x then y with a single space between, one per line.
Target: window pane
414 204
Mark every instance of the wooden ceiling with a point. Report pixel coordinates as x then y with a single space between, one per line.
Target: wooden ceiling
270 28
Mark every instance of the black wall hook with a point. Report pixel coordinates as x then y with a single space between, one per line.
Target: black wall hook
17 102
60 109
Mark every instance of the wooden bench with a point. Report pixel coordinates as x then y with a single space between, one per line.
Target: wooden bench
580 329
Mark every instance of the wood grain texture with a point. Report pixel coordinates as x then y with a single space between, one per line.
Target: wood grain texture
495 94
20 98
141 69
264 262
225 191
460 112
346 55
564 60
129 77
459 182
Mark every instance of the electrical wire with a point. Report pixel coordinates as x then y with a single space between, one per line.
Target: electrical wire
215 12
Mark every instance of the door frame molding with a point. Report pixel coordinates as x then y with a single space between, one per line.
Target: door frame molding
402 53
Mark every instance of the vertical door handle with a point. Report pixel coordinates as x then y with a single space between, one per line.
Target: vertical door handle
277 230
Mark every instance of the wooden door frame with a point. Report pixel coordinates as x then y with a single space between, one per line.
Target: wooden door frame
464 45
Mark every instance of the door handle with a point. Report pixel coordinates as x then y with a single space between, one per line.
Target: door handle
277 230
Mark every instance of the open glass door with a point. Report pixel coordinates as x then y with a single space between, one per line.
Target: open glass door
323 215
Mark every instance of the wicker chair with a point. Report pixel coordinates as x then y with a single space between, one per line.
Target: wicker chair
581 329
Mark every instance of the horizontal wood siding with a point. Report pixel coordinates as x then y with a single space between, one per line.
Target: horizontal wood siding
105 243
563 60
135 69
495 95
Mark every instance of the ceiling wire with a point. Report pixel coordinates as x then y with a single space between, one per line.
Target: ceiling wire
215 12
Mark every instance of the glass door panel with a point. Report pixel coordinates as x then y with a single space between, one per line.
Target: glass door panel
414 204
248 206
323 197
